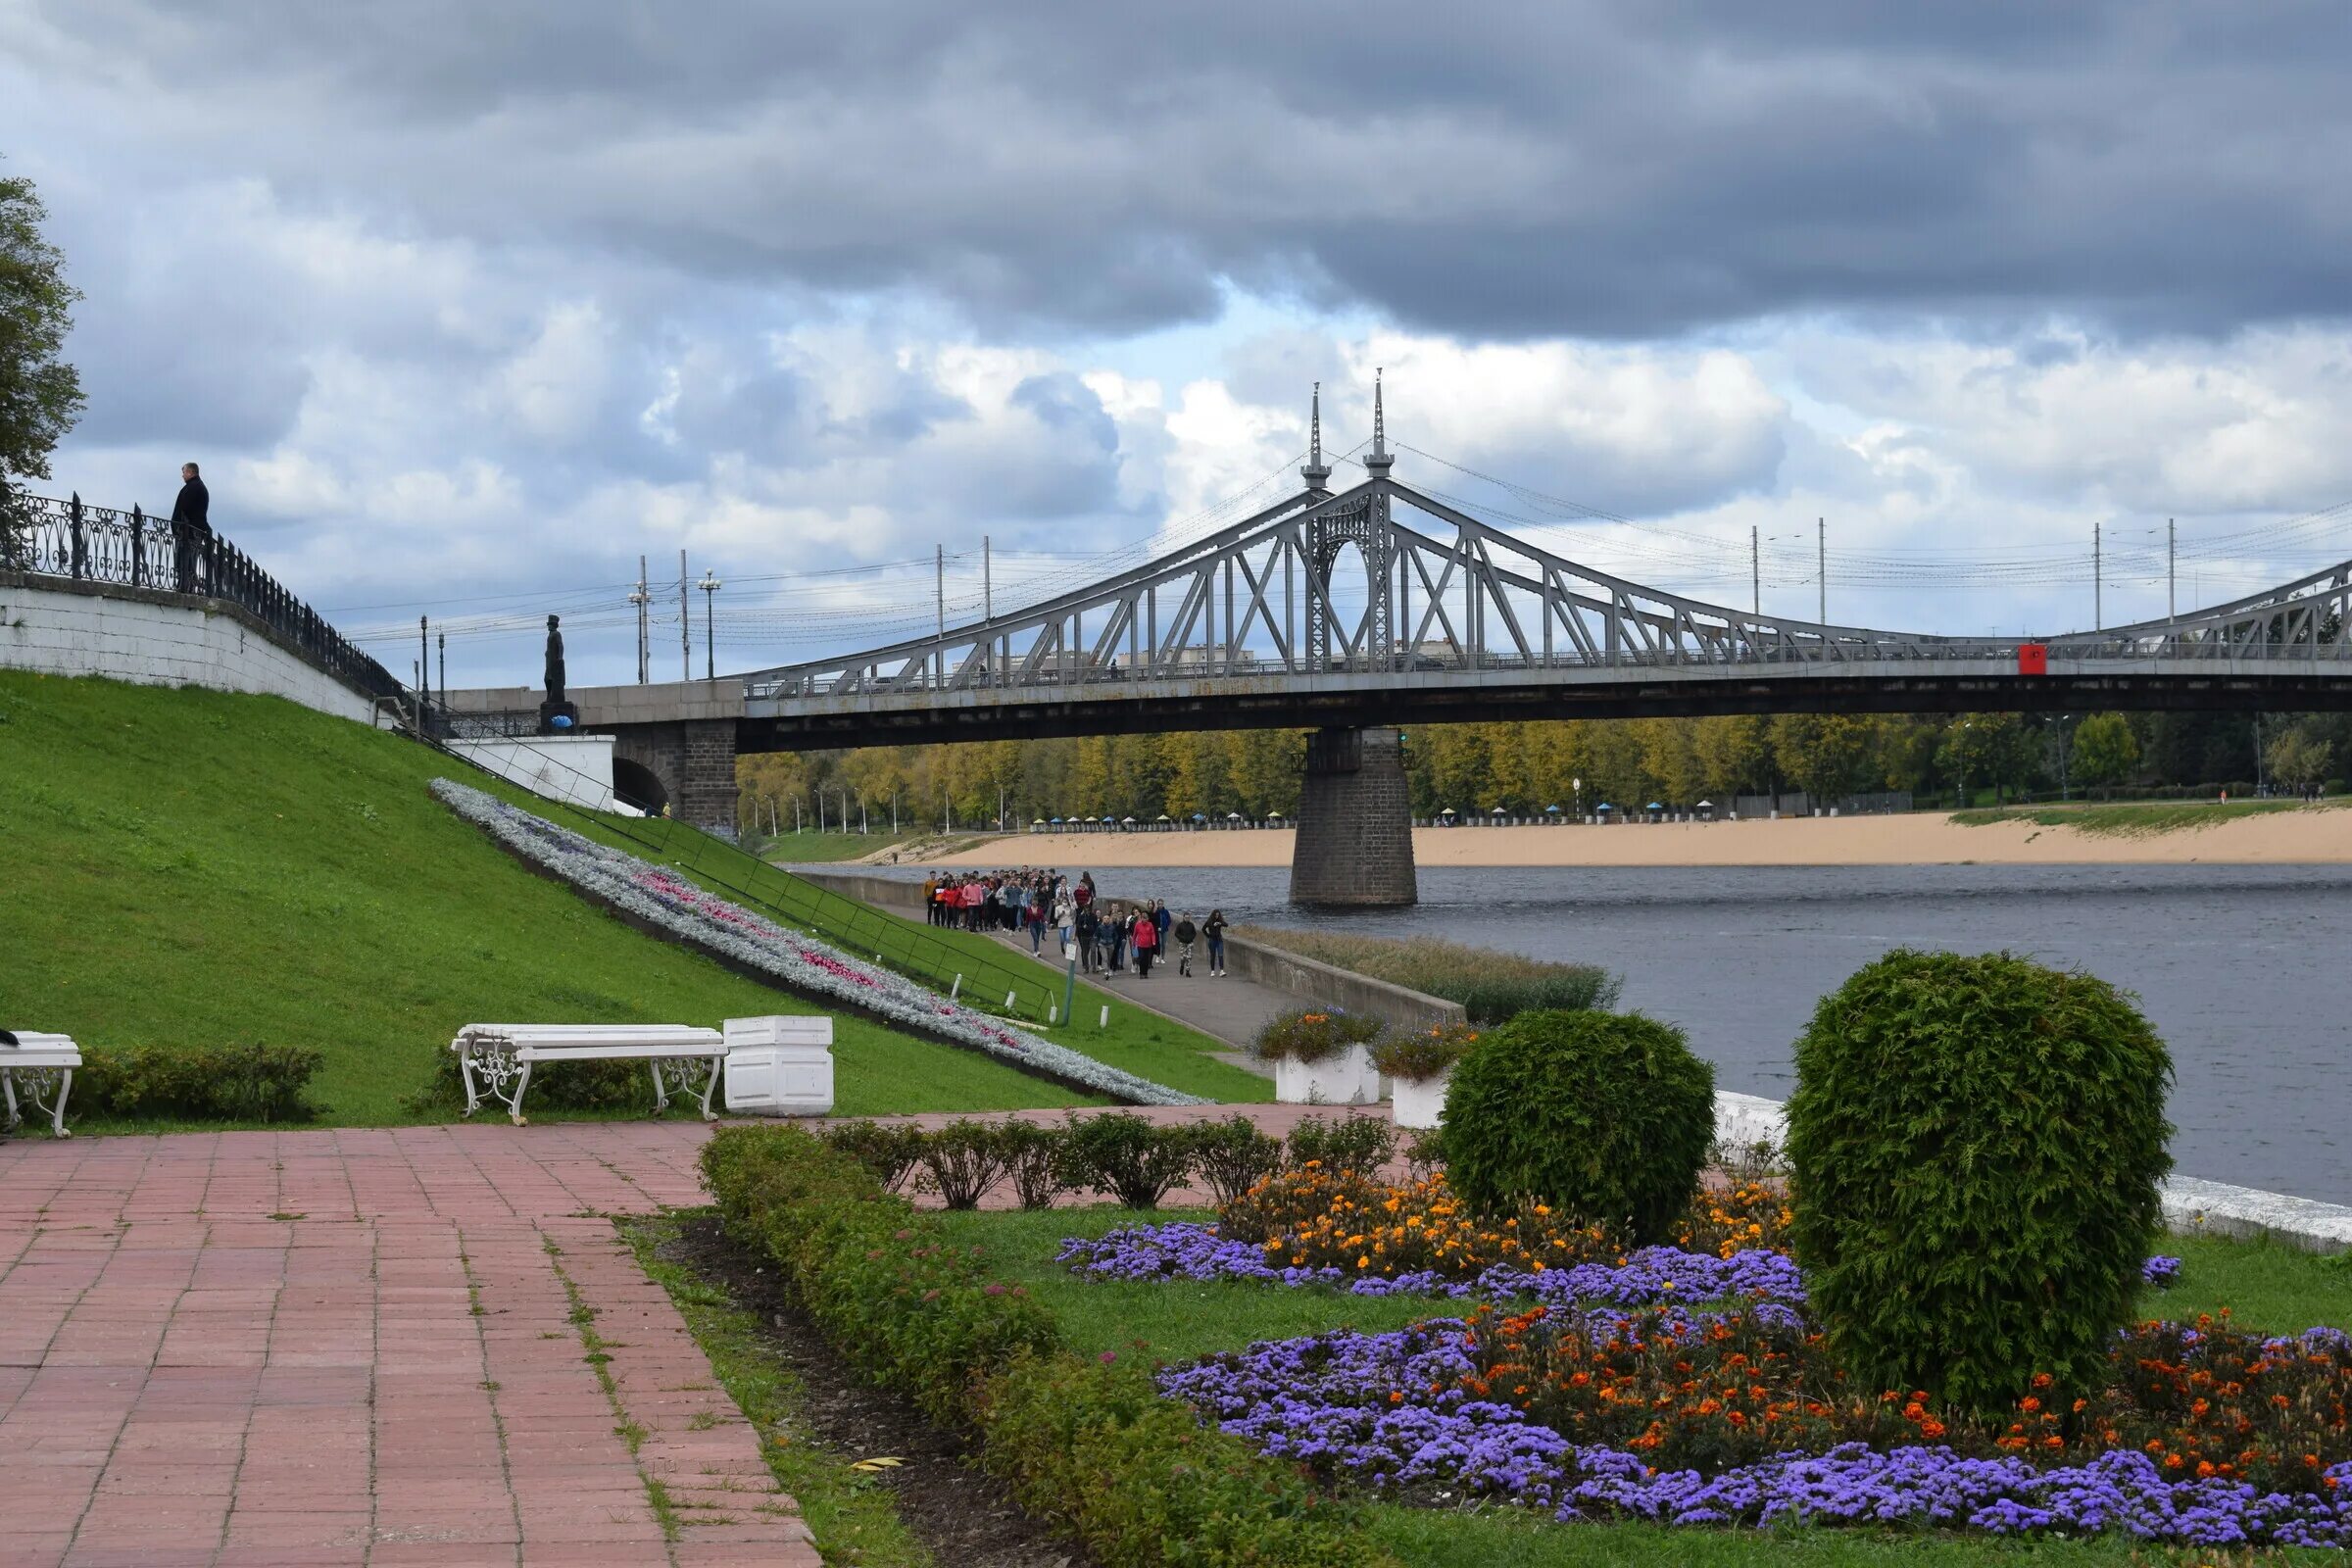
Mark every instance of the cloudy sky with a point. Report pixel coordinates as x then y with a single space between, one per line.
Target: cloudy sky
464 307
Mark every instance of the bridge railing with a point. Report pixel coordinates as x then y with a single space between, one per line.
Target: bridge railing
74 542
980 978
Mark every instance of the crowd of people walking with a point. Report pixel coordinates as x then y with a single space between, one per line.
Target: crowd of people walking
1106 937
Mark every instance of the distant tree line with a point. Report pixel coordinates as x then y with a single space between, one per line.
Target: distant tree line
1527 768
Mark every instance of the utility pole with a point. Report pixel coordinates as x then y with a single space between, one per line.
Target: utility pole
988 591
645 640
2099 614
939 579
424 663
685 624
1821 566
2172 571
1755 574
709 585
441 645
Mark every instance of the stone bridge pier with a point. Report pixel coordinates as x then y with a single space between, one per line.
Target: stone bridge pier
1355 823
687 765
673 741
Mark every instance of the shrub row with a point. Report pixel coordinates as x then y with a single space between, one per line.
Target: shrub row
201 1083
1119 1156
1090 1444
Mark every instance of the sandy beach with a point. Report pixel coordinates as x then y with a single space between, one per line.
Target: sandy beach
2319 835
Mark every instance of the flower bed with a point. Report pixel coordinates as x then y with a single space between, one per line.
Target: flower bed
1649 1277
1324 1218
1688 1384
793 959
1487 1406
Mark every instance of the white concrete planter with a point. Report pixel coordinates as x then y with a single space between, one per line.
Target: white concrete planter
780 1066
1417 1102
1346 1079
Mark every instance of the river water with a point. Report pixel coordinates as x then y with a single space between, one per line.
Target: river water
2240 968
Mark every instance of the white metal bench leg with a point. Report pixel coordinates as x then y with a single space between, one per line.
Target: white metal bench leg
500 1074
37 1089
711 1087
654 1065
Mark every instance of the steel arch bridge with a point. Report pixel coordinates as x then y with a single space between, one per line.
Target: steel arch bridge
1259 625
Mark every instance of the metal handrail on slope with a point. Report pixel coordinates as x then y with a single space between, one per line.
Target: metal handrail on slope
977 982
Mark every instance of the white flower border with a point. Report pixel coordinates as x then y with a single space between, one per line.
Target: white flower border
798 961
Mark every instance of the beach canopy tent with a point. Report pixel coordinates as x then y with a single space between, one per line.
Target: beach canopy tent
1057 821
1655 806
1551 810
1273 817
1448 812
1233 817
1039 822
1604 806
1199 816
1499 811
1707 806
1127 821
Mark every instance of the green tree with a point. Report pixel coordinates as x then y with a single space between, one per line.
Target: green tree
40 394
2105 750
2297 757
1734 753
1828 755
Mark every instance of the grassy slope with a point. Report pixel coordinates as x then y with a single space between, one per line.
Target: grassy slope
195 866
2268 1287
2134 818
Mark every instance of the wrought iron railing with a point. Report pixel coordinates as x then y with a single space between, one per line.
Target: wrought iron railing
74 542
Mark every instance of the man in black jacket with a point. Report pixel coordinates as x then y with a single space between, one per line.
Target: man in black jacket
191 526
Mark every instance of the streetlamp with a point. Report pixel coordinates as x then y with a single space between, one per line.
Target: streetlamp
708 585
2063 791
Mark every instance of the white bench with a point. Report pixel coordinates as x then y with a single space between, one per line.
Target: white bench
43 1066
504 1055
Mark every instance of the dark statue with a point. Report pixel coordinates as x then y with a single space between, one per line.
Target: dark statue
557 715
555 664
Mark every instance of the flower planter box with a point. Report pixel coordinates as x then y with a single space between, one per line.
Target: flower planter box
1417 1102
1346 1079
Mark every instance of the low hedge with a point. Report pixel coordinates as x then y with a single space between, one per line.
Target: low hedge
199 1083
1090 1444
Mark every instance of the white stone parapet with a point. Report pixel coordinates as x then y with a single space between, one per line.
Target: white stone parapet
2192 1206
149 640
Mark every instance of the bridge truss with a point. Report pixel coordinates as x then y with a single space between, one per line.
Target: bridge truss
1440 614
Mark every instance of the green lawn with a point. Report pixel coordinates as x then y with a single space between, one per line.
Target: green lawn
819 849
2268 1287
2134 818
193 865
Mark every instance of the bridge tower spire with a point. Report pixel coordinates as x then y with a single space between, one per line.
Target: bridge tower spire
1316 473
1380 459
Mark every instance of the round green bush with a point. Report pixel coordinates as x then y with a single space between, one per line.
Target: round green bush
1974 1145
1603 1116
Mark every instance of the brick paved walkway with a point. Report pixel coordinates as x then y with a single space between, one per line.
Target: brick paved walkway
362 1347
370 1347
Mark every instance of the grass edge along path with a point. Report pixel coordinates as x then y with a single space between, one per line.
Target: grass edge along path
190 865
1085 1442
852 1519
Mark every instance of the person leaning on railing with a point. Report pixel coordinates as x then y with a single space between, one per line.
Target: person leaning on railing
192 527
